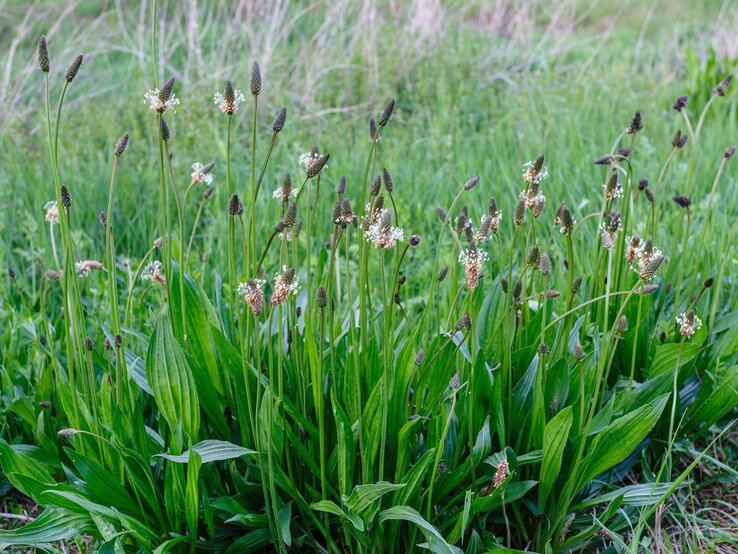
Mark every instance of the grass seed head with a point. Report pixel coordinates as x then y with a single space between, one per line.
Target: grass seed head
122 144
501 474
517 289
578 351
676 138
534 256
648 271
576 284
373 131
376 186
321 298
43 55
234 206
636 124
165 94
280 120
729 152
255 83
316 168
73 68
519 215
341 188
471 183
682 201
681 103
722 87
387 113
442 274
66 197
442 215
388 184
622 325
290 216
545 264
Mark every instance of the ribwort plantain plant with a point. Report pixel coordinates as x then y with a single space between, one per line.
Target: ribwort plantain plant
349 386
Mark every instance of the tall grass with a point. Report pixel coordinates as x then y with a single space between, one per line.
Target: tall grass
355 369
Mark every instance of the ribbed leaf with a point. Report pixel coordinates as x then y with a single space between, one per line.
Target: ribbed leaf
633 495
717 396
617 440
211 451
435 541
171 380
363 495
554 441
51 526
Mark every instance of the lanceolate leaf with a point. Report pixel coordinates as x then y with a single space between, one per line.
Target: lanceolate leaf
554 441
618 439
171 379
51 526
435 541
211 451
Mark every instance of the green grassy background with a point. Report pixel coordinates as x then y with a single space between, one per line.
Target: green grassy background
480 88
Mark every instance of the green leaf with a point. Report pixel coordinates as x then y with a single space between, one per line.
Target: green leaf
554 441
617 440
363 495
51 526
166 546
284 516
666 355
644 494
331 508
435 541
171 379
211 451
102 485
345 449
192 499
717 396
413 479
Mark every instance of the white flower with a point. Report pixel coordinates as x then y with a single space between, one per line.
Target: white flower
52 212
226 106
251 292
279 193
153 272
201 173
285 283
309 158
84 267
381 233
494 222
608 239
688 323
613 191
533 198
645 254
531 175
473 259
155 103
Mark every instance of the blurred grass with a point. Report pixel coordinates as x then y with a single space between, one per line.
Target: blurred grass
481 88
